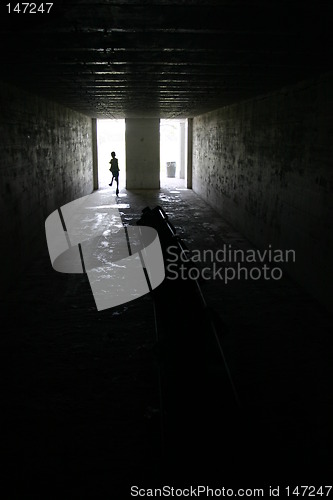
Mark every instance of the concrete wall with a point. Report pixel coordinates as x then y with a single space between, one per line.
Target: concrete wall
142 138
46 161
266 166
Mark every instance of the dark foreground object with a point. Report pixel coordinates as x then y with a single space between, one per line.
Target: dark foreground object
200 408
207 432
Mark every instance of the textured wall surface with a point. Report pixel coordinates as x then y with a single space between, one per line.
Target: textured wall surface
266 166
142 153
46 161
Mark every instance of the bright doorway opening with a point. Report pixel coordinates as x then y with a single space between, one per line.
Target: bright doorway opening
173 153
110 137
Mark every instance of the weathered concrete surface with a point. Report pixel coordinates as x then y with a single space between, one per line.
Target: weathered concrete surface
266 166
46 161
142 153
81 403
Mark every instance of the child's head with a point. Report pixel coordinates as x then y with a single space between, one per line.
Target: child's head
113 154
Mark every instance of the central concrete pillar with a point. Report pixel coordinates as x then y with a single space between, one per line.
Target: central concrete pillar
142 138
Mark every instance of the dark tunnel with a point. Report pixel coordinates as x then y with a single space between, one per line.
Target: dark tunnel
173 338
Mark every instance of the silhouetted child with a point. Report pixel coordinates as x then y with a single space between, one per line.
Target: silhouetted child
114 169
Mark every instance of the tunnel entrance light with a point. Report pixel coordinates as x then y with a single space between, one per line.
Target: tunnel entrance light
110 137
173 152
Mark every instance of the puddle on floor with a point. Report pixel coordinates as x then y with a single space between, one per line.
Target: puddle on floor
101 206
120 205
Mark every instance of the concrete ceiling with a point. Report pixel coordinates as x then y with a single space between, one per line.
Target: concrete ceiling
164 58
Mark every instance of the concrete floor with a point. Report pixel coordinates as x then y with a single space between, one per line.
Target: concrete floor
81 397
